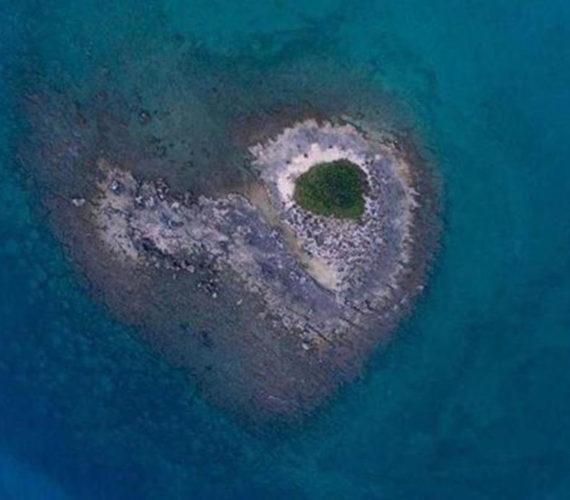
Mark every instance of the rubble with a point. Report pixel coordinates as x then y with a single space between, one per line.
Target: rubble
322 276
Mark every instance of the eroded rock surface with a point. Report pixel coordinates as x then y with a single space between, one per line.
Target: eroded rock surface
269 307
321 278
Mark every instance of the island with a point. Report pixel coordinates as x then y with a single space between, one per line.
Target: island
271 290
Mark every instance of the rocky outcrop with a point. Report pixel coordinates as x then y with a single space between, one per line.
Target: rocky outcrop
321 279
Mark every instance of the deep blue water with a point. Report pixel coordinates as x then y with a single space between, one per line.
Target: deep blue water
472 400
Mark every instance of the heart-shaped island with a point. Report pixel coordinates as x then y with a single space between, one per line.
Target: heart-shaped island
267 253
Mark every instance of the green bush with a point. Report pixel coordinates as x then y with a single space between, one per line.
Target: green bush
332 189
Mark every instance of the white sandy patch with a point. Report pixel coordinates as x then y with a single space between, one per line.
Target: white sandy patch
323 272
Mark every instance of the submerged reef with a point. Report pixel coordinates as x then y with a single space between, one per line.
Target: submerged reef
198 237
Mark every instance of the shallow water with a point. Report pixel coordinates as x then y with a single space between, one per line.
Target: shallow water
470 401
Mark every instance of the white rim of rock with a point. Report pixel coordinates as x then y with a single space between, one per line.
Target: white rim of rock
283 159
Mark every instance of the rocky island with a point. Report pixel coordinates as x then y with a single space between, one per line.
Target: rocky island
266 254
323 278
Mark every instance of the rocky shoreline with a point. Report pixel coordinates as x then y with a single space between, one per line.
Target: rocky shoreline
321 279
269 308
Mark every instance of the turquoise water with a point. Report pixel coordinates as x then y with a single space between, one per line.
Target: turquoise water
472 399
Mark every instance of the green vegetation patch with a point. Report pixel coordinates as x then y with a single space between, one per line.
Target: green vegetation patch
334 189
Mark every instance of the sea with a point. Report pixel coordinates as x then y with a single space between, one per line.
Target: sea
470 401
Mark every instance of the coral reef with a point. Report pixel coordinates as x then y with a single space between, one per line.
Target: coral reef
322 278
178 213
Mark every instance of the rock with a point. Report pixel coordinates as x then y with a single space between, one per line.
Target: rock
144 117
